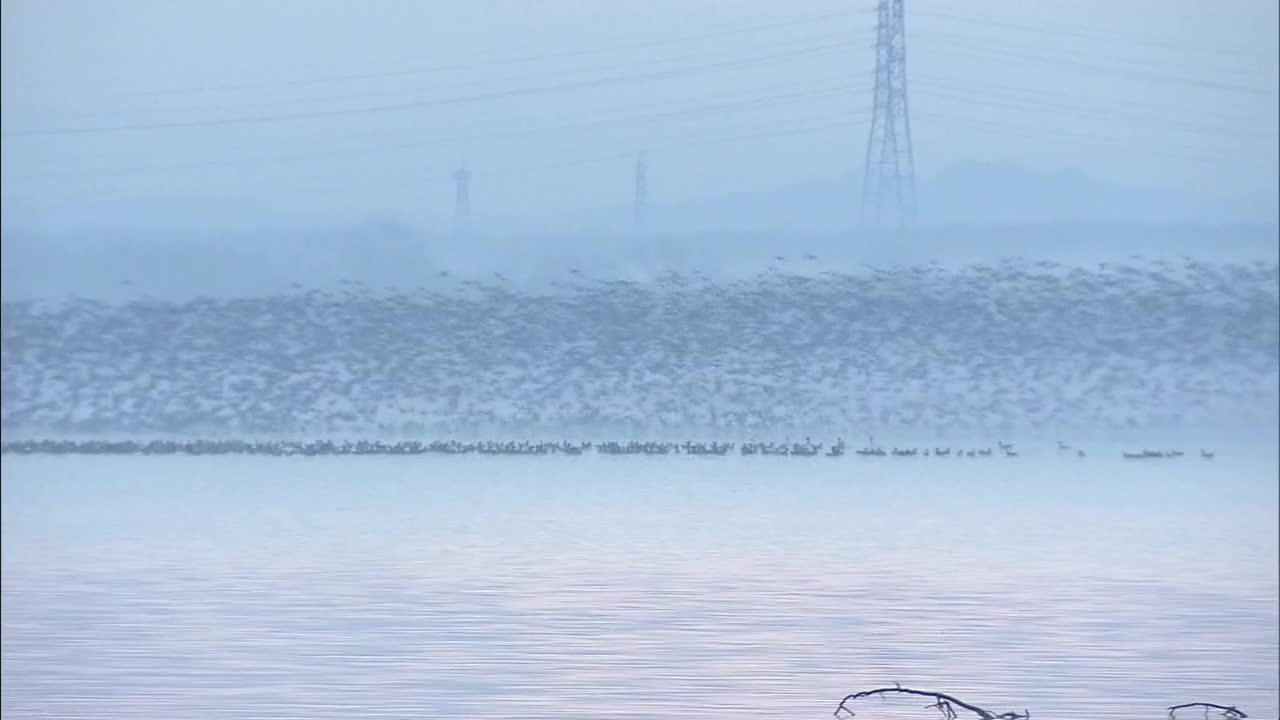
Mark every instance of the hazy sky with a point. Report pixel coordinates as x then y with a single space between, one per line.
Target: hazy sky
229 113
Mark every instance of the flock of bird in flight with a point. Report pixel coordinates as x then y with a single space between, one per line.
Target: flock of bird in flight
985 350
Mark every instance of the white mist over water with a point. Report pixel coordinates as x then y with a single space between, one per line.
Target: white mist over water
635 587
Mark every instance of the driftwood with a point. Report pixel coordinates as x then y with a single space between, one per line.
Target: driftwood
1228 711
944 703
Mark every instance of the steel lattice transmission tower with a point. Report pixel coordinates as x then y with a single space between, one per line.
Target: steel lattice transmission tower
888 178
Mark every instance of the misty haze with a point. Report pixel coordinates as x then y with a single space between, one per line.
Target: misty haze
568 359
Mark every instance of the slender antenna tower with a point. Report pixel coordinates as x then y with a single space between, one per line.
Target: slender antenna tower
462 201
888 177
641 196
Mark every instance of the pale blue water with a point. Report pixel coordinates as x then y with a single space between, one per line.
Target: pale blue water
597 587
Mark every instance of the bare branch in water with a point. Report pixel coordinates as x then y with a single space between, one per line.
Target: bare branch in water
1228 711
945 704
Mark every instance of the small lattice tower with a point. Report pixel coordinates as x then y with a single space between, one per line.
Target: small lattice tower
462 201
641 202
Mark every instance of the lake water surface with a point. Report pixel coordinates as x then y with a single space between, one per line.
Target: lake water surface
598 587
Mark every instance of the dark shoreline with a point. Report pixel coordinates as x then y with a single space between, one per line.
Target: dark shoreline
321 448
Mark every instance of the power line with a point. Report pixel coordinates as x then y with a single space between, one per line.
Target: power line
1041 135
1005 55
557 75
977 19
776 93
1058 101
741 104
520 173
433 102
508 60
988 98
